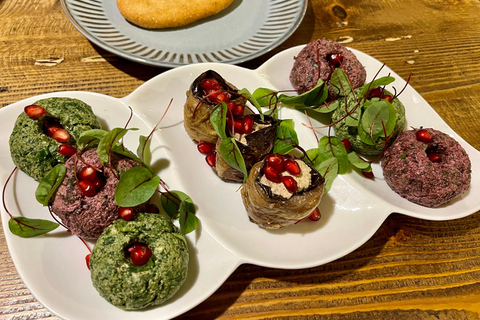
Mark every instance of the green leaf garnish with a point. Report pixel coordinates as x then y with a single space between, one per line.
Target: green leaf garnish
329 170
136 186
340 83
286 137
91 137
357 161
244 92
333 147
311 98
218 119
231 154
108 141
383 81
143 150
50 183
27 228
180 206
265 97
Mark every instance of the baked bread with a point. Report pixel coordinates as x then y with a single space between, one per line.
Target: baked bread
160 14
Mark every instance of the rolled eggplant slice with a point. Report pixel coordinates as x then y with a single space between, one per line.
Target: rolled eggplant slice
254 147
200 103
271 211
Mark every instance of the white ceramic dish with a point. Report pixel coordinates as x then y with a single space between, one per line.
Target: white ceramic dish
53 266
243 31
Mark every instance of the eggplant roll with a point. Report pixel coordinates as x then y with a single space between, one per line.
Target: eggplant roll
254 147
273 211
200 103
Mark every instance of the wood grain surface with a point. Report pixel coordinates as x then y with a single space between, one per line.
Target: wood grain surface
410 268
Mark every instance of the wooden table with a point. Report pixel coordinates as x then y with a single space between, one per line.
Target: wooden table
410 268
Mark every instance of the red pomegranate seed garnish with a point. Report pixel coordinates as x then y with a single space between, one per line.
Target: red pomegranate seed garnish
315 215
237 110
375 93
98 183
140 254
66 150
347 144
87 173
434 157
292 167
423 135
33 111
152 208
290 183
276 161
87 260
87 188
368 174
272 174
211 158
238 126
125 213
205 147
61 135
209 84
335 59
247 124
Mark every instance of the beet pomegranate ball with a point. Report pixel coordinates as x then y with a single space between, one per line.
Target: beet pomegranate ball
85 201
427 167
318 59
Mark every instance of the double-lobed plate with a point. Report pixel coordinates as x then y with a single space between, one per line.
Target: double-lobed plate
245 30
53 265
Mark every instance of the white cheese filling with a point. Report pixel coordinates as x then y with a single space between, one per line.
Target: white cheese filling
241 137
303 181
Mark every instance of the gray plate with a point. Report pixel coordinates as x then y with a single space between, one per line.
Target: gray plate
245 30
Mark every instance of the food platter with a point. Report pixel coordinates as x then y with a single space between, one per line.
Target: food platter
53 266
243 31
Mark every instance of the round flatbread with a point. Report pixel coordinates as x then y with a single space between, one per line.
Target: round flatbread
159 14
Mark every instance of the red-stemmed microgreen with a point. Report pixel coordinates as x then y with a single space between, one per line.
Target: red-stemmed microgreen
22 226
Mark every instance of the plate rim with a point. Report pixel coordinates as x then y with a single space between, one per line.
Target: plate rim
135 58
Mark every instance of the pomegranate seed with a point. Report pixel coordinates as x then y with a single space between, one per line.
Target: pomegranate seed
211 158
424 136
33 111
375 93
368 174
223 96
434 157
334 60
238 126
52 127
98 183
247 124
315 215
61 135
292 167
66 150
87 188
290 183
152 208
347 144
87 173
140 254
272 174
125 213
237 110
276 161
87 260
205 147
209 84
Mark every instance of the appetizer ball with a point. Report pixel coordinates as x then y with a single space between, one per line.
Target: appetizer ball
281 191
42 129
427 167
318 59
205 92
140 262
85 201
345 130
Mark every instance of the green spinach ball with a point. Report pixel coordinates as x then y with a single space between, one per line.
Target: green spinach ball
36 153
132 287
